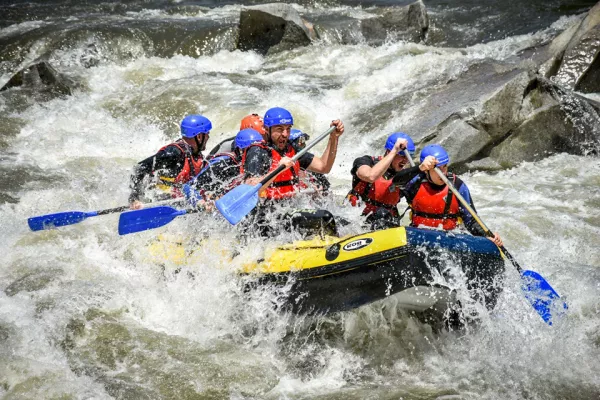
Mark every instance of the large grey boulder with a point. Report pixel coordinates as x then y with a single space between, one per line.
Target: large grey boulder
410 23
270 28
497 115
469 115
580 64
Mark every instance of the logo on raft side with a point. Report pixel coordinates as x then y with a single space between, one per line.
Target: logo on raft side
357 244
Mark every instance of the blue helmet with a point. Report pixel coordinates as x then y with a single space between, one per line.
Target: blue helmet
278 116
246 137
438 152
391 141
193 125
295 134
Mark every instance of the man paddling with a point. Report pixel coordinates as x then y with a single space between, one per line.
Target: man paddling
174 164
377 183
262 158
433 204
259 159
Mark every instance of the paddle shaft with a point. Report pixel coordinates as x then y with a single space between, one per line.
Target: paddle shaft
126 208
410 160
309 146
487 231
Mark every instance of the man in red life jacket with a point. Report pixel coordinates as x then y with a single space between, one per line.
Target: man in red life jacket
174 164
377 181
433 204
259 159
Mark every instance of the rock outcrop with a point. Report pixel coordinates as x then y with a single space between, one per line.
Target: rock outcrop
270 28
580 64
410 23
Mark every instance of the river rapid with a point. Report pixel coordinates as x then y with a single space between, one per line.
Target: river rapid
86 313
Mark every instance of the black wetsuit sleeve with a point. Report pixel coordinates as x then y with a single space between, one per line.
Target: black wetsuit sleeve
359 162
305 160
404 176
258 161
217 176
410 189
168 161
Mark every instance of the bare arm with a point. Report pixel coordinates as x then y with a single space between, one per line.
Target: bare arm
324 163
371 174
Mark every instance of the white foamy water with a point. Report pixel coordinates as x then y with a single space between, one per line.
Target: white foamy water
87 313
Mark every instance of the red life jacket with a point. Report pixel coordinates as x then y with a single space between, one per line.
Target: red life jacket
191 167
286 183
432 207
379 194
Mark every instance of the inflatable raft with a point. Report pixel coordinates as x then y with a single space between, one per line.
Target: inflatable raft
322 275
415 265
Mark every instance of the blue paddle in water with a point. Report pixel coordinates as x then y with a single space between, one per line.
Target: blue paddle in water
51 221
236 204
542 297
147 218
155 217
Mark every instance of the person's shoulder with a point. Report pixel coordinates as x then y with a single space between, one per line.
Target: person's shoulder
360 161
257 152
458 182
172 149
364 160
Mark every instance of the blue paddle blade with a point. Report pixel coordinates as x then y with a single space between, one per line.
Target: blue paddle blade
236 204
542 296
147 218
50 221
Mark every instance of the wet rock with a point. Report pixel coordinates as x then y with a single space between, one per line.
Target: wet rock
271 28
504 115
589 82
41 76
555 51
580 65
410 23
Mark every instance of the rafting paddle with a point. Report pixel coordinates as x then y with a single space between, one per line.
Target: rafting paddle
155 217
236 204
50 221
148 218
537 290
407 155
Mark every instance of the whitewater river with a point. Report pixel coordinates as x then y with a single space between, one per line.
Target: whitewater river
88 314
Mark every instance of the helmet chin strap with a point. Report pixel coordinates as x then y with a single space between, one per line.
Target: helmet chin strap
199 144
427 173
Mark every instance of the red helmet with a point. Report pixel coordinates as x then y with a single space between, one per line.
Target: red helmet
253 121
